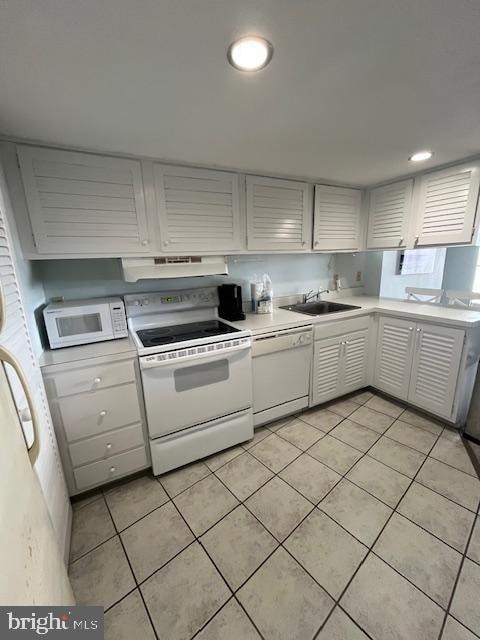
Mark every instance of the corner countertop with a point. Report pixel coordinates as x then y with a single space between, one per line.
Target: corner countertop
284 319
87 351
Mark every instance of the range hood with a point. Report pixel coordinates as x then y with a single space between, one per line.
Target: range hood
173 267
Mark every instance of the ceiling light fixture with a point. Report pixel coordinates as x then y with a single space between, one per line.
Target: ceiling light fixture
420 156
250 53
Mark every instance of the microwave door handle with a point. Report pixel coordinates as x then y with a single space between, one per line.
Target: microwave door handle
9 358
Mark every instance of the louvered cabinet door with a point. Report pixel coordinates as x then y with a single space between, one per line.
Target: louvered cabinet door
278 215
393 363
82 203
199 209
15 337
326 379
355 361
447 203
438 351
388 215
337 219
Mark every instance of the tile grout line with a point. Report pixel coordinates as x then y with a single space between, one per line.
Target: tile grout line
197 539
315 505
457 579
134 577
373 544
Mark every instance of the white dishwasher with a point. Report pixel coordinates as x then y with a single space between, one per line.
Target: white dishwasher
281 363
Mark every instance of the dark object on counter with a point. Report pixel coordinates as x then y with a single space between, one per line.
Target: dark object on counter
230 307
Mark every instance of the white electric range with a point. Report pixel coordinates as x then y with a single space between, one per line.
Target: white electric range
196 374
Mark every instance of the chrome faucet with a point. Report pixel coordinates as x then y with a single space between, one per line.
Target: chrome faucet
313 294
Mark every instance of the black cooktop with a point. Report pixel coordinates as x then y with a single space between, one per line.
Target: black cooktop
181 332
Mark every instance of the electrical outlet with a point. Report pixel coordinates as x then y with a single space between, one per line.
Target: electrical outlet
359 276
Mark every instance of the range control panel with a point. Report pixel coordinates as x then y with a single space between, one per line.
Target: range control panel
164 301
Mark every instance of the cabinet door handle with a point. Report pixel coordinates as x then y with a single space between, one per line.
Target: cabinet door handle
103 413
400 241
144 243
113 469
418 330
410 328
9 358
109 446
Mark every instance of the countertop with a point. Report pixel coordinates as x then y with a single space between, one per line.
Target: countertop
284 319
86 351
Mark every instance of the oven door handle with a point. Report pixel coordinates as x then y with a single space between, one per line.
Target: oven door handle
149 362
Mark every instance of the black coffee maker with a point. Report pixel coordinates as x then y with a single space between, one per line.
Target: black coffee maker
230 307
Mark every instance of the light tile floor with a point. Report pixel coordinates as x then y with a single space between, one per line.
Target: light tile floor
355 520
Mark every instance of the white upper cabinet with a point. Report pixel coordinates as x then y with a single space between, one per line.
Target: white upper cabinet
82 203
388 215
337 219
199 210
447 202
278 215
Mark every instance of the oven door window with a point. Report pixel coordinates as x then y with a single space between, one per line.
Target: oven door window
77 325
201 375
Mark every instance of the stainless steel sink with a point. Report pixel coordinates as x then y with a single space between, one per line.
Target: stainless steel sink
319 308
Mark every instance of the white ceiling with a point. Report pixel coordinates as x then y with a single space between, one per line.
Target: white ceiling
354 87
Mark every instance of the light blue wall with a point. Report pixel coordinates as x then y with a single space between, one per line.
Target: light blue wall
393 285
290 274
460 266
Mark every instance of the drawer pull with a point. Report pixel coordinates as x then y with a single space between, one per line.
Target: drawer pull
103 413
96 382
113 469
109 446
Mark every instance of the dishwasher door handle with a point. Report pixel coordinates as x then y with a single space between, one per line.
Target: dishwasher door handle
279 342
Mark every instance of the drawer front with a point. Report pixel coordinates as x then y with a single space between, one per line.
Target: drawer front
93 378
340 327
106 445
107 470
107 409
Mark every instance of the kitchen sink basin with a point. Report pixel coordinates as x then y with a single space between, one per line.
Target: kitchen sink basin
319 307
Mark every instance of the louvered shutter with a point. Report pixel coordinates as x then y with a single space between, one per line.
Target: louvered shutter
355 361
447 204
436 362
83 203
326 383
337 219
15 337
388 215
278 214
394 356
199 210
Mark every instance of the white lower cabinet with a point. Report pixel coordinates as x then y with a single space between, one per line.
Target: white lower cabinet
394 356
435 368
340 362
98 418
419 363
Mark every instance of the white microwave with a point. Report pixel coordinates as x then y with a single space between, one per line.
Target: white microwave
77 322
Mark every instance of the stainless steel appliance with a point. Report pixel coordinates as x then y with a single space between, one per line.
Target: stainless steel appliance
196 375
77 322
281 373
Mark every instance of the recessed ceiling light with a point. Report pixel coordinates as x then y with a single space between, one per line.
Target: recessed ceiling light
250 53
420 156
